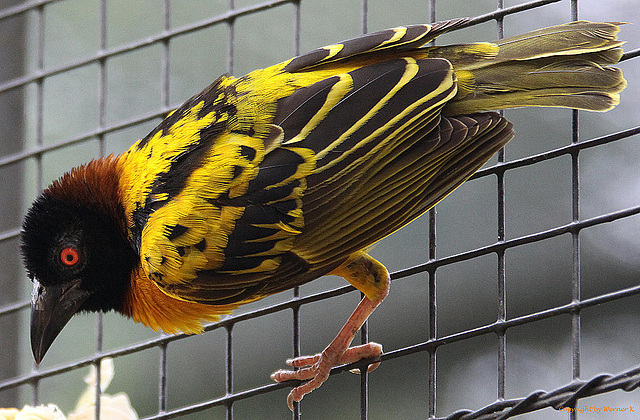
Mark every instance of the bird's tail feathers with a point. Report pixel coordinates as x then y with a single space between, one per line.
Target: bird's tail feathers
560 66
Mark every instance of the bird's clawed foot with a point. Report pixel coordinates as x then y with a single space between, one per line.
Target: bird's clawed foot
316 368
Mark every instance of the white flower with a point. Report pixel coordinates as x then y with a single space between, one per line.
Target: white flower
8 413
106 375
112 407
41 412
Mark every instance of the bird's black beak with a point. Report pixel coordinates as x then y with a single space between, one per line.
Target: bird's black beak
51 308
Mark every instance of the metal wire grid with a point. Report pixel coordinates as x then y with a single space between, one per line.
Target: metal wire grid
566 396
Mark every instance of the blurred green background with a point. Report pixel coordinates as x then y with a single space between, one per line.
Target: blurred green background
538 197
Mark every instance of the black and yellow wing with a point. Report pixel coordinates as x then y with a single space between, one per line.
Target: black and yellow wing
186 188
270 180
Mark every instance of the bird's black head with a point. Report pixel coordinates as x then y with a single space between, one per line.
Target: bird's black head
76 254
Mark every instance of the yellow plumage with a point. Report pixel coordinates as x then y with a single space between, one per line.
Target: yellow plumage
188 185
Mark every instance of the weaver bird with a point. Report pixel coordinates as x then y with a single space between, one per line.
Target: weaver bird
265 182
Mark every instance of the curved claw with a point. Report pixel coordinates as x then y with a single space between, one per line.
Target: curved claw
370 368
317 368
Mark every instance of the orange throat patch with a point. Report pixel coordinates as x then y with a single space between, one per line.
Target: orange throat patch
146 303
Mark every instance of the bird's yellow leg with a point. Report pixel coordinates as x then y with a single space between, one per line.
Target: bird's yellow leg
371 278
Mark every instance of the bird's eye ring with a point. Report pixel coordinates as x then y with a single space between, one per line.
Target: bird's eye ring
69 256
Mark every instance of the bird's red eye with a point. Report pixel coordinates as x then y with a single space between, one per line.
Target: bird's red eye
69 256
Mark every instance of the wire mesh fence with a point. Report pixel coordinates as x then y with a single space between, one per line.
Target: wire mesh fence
523 279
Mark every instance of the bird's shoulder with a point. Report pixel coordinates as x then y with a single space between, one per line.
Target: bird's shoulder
200 197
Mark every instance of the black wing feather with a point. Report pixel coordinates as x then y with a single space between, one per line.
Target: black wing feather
414 37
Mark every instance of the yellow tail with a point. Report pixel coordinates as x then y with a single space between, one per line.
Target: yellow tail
560 66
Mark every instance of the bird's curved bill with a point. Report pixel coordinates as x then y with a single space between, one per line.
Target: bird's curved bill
51 308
